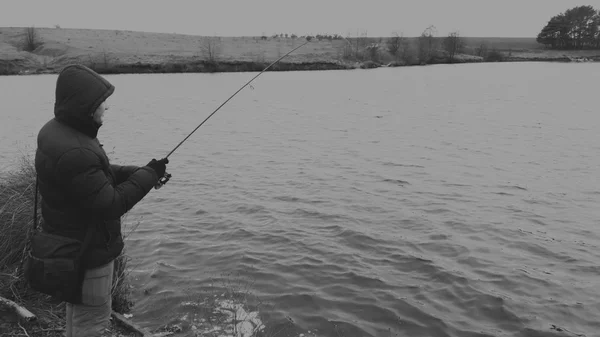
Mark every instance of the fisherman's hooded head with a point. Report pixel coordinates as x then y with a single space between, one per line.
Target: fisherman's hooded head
80 94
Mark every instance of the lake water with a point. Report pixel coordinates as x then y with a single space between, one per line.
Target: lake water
451 200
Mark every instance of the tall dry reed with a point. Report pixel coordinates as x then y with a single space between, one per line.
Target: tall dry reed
17 190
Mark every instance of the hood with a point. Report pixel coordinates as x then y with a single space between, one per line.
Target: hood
79 92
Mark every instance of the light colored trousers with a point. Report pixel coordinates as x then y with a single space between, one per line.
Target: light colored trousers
91 318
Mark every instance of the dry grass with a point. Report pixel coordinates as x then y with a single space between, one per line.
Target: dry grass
121 288
16 218
129 47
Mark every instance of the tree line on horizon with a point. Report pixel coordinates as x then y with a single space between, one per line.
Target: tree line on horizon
576 28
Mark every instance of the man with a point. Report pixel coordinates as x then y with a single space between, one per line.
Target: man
80 188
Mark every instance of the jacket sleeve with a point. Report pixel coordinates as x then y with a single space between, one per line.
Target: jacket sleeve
80 173
122 173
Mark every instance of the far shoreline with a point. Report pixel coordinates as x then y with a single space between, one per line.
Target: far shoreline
250 66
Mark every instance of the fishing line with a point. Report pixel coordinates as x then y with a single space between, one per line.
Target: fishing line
240 89
164 179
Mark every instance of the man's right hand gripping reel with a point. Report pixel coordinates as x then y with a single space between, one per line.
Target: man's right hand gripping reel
160 167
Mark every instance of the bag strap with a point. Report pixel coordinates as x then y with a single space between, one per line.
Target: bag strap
86 241
35 202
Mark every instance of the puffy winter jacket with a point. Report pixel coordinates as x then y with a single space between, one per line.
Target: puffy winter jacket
78 185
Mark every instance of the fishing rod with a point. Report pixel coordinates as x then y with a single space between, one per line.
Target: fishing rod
163 180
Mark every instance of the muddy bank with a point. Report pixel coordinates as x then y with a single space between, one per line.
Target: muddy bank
30 67
553 59
214 67
22 68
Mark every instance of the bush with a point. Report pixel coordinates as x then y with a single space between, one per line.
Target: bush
372 52
31 39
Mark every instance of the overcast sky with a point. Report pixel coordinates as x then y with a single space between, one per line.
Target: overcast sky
477 18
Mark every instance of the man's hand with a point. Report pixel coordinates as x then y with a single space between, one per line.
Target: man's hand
159 166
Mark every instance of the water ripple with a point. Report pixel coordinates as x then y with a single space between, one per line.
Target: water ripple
468 209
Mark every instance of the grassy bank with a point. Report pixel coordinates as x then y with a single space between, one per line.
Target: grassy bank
117 52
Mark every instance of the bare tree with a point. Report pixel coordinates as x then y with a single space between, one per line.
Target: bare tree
211 47
394 44
351 49
453 44
347 50
31 39
372 52
482 50
407 53
427 44
361 41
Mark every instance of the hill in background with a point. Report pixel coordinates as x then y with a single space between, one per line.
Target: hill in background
55 47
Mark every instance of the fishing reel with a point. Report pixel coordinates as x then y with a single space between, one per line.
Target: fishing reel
163 180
